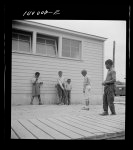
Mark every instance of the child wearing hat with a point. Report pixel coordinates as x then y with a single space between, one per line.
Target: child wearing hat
86 89
36 83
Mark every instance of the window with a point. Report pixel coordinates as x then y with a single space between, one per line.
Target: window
21 41
71 48
46 45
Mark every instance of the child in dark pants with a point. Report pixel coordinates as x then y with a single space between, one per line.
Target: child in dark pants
109 89
68 88
36 88
61 88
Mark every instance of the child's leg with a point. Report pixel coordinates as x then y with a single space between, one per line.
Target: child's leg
39 100
68 98
32 100
86 96
59 92
110 99
66 93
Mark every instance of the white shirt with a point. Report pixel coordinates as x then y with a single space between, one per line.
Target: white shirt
68 86
86 82
61 81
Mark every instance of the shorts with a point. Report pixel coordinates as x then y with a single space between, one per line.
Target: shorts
87 92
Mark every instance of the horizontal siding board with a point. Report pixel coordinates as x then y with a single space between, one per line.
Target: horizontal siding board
51 61
54 70
53 75
29 75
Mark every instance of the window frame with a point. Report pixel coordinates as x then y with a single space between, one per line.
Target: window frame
80 48
25 33
46 38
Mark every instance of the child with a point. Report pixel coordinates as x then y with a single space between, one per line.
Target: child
109 89
61 87
68 88
36 88
86 89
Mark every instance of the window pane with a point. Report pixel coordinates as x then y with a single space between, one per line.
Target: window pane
74 52
66 42
66 51
41 48
66 47
51 51
24 37
24 46
14 45
50 42
14 36
74 43
40 40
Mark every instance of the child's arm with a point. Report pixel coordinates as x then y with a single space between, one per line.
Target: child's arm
88 81
71 87
60 84
113 80
33 80
40 81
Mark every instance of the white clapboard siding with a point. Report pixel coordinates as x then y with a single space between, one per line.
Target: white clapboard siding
24 65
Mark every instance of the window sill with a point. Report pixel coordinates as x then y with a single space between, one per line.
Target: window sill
69 58
30 53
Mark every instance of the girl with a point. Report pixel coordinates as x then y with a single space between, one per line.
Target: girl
36 88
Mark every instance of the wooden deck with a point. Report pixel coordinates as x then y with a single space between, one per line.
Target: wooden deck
66 123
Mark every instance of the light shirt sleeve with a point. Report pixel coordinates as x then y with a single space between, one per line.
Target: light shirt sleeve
33 80
60 81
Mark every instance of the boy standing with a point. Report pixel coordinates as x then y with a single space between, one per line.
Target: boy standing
61 87
36 88
68 88
109 89
86 89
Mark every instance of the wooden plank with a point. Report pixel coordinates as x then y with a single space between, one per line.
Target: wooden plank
108 131
48 130
97 127
13 135
71 127
75 119
21 131
95 123
61 129
84 126
107 122
109 118
35 130
116 126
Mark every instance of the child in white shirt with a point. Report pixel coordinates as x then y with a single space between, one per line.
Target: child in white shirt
61 87
86 89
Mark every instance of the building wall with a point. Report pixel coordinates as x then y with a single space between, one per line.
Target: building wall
24 65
